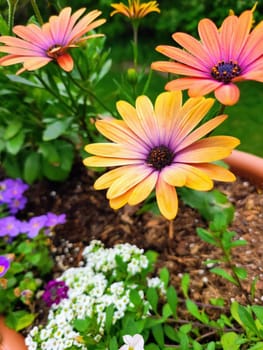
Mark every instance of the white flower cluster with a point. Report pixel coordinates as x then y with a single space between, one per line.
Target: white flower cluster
93 288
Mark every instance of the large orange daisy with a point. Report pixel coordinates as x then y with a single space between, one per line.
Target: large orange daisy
221 58
159 147
36 46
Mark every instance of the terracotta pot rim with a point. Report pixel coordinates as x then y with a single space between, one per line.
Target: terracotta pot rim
246 165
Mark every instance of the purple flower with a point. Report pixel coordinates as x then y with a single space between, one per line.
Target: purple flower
53 219
9 226
54 292
4 265
34 225
17 204
11 193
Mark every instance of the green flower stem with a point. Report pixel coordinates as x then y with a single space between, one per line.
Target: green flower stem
11 14
221 109
54 93
37 12
227 258
135 27
91 94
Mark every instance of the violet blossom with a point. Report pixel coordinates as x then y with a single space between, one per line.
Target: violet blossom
54 292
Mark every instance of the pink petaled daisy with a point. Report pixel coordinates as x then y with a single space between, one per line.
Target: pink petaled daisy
37 46
221 58
159 147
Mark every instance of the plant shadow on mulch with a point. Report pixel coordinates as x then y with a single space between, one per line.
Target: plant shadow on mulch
89 217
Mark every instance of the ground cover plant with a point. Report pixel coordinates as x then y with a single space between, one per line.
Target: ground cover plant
153 153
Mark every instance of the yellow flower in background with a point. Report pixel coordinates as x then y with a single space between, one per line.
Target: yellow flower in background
135 9
159 147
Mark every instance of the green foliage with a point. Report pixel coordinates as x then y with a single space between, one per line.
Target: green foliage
24 278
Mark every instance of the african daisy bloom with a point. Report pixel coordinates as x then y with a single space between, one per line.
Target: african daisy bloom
221 58
159 147
135 9
37 46
135 342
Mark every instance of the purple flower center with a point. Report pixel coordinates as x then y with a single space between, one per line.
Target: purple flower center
56 51
159 157
225 71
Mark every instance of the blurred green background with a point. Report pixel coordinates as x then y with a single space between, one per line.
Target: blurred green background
245 118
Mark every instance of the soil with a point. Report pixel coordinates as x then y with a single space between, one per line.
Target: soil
90 217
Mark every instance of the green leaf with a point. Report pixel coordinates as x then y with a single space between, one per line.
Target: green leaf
54 130
165 276
170 332
194 311
81 325
230 341
258 311
21 80
49 152
172 299
206 236
152 297
185 284
158 334
19 320
212 205
258 346
109 317
197 346
12 129
15 144
221 272
32 167
152 346
247 319
211 346
240 272
113 345
166 311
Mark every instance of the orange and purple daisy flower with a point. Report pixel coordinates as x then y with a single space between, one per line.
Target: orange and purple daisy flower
37 46
159 147
135 9
221 58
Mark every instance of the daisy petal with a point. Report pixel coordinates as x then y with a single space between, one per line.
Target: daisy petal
143 189
167 199
227 94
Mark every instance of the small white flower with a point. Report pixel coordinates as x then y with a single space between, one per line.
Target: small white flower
135 342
